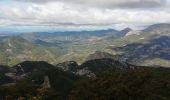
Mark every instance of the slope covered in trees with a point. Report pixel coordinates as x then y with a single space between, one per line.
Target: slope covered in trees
42 81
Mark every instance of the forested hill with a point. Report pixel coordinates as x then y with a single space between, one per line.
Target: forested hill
99 79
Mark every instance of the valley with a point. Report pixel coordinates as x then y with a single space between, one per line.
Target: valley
126 64
148 47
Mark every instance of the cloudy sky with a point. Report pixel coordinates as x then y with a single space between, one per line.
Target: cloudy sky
83 13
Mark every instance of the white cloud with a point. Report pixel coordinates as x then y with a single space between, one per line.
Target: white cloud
66 14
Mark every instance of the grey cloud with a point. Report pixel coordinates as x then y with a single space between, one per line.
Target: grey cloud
109 3
143 4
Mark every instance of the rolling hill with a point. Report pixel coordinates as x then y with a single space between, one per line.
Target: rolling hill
16 49
142 47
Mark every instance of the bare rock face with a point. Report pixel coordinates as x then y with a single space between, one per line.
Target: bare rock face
86 72
46 84
68 66
133 33
73 67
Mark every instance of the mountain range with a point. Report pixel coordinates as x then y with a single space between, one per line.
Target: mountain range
97 65
145 47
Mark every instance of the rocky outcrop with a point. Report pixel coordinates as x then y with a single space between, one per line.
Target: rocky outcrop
133 33
46 84
68 66
86 72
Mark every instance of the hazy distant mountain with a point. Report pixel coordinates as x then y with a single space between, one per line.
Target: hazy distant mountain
69 35
161 28
125 31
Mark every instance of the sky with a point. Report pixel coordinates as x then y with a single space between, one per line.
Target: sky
18 15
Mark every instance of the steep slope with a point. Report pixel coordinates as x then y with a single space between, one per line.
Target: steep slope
125 31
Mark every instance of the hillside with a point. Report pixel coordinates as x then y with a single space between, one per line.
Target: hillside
149 47
16 49
138 84
118 80
79 46
36 79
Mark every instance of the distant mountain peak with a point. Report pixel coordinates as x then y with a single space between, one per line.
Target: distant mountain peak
125 31
127 28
